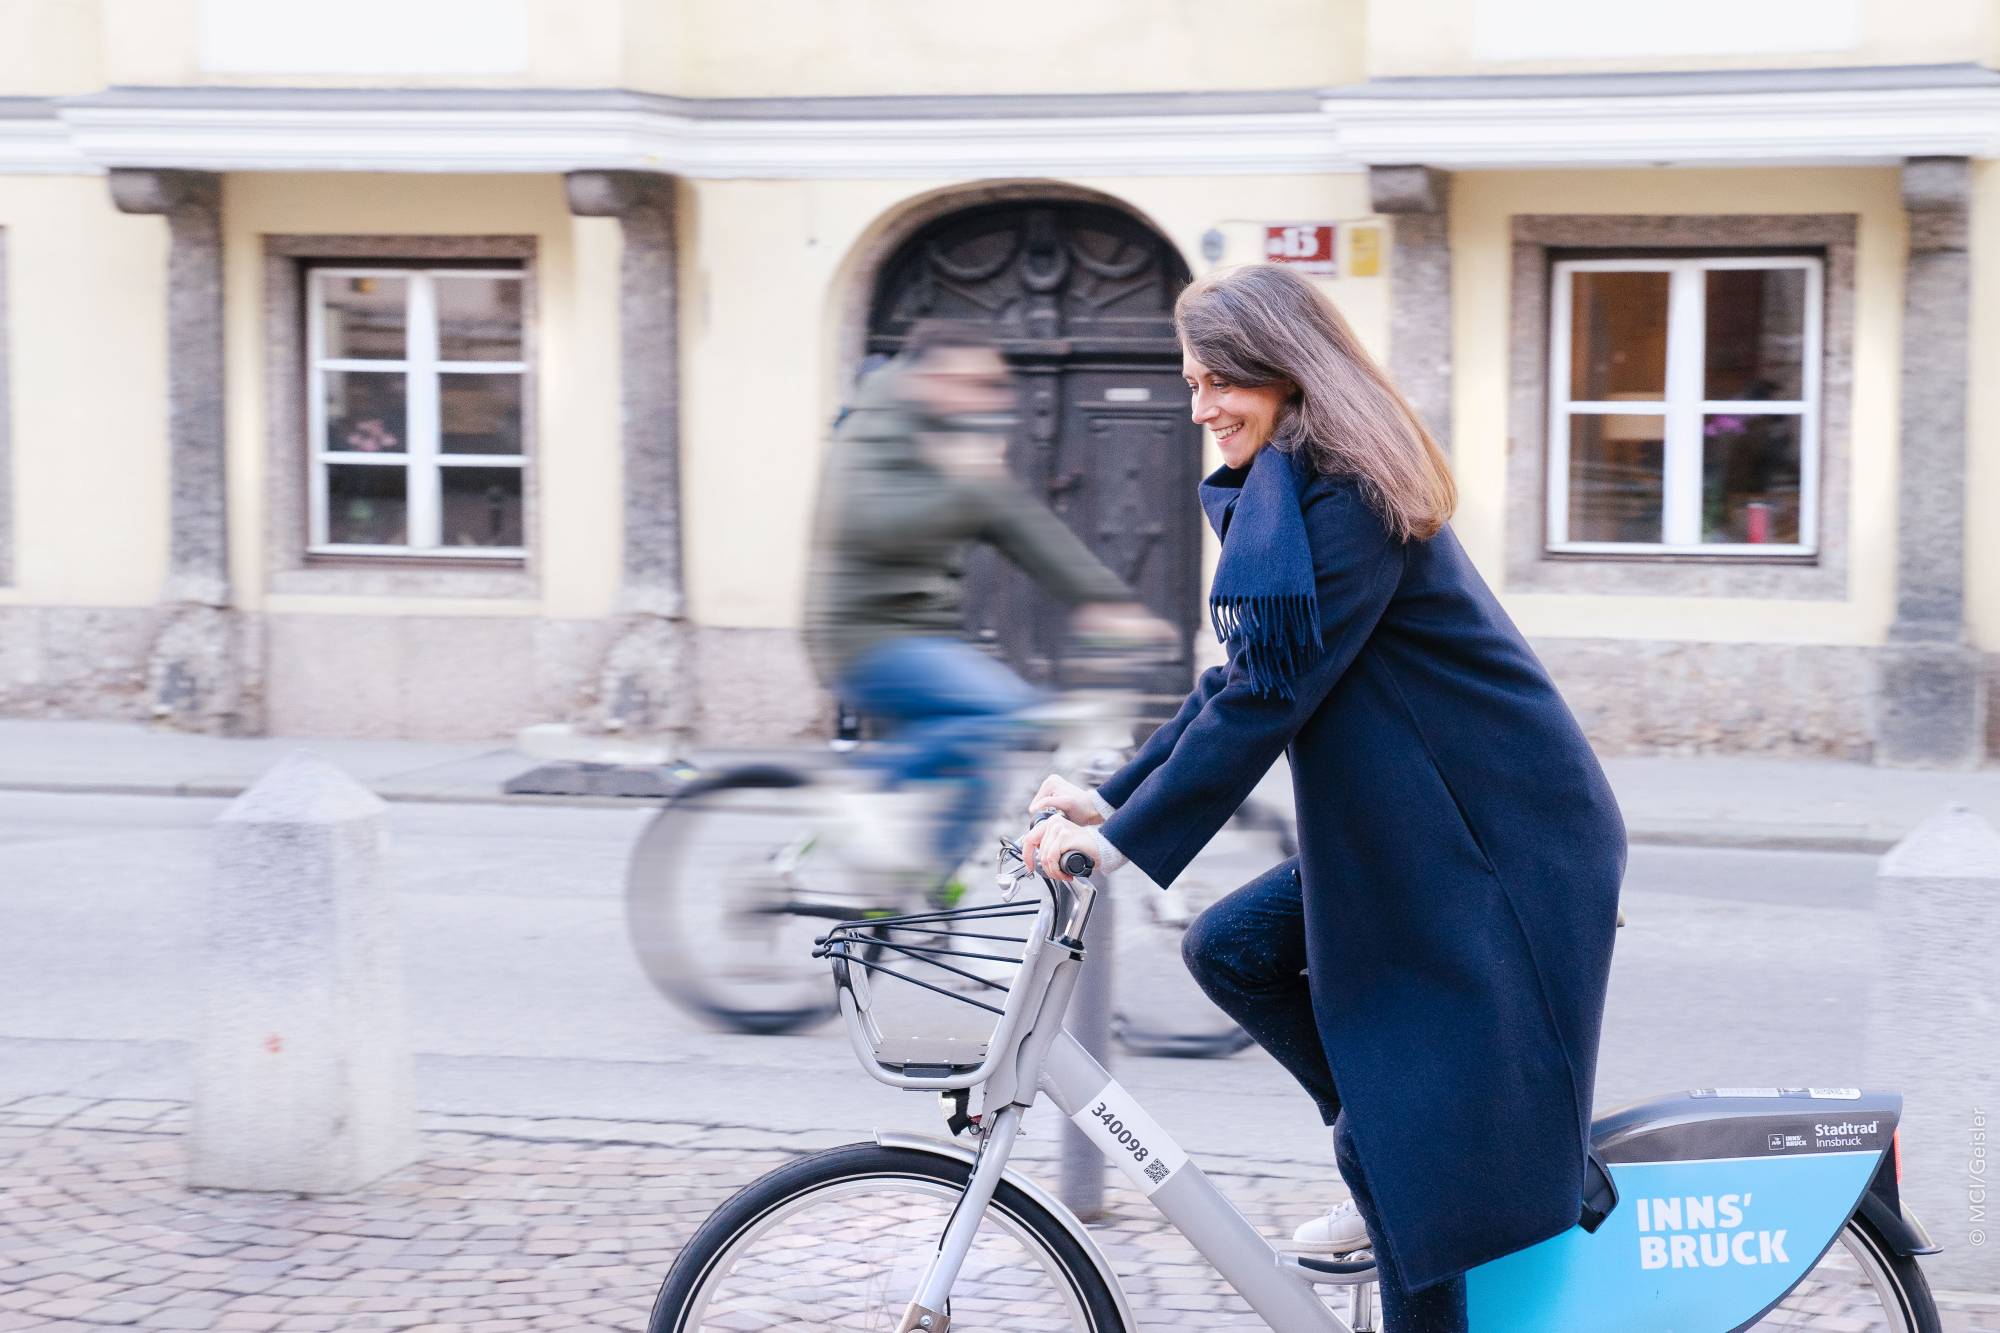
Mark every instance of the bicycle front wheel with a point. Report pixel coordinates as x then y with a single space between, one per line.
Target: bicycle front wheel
841 1239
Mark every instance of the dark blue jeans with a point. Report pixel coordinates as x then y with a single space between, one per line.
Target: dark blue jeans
948 706
1248 952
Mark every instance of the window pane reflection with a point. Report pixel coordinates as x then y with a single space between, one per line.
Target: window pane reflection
482 506
1618 336
363 317
479 319
479 414
367 504
1756 334
1616 478
365 412
1750 479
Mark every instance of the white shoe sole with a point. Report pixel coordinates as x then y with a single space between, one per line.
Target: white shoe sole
1319 1248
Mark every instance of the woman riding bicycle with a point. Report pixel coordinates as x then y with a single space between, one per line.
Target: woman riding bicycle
1453 902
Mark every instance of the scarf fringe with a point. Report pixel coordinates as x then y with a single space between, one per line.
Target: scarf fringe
1278 636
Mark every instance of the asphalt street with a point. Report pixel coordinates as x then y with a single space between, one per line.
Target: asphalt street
1738 968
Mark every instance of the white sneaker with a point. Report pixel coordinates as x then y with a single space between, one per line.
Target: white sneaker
1170 907
1340 1231
888 832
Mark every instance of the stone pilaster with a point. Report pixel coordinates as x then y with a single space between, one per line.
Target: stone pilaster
647 681
1416 199
1930 704
196 670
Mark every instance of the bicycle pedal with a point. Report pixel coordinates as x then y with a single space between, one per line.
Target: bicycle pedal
1350 1270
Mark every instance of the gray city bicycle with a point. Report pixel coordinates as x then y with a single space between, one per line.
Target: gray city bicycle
742 869
1741 1207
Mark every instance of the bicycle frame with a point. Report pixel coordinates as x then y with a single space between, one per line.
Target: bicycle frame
1816 1156
1031 1053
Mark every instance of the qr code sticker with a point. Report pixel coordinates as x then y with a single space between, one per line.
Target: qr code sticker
1156 1171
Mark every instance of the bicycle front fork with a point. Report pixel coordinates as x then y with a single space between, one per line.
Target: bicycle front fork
928 1311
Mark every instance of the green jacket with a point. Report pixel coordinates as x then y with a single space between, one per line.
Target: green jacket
892 533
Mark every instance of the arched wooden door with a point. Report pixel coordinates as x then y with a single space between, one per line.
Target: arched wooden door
1080 298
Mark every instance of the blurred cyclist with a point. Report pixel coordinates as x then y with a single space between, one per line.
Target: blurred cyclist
916 474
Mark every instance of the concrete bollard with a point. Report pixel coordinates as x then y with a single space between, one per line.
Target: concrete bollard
1935 1035
1083 1165
302 1069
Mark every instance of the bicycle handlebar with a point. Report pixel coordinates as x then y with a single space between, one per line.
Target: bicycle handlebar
1075 863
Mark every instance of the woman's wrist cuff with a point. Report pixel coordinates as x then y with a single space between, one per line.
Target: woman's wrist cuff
1103 807
1109 858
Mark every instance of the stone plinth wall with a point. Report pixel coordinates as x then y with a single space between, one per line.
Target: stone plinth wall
75 662
469 677
1993 708
1793 700
757 688
478 677
429 677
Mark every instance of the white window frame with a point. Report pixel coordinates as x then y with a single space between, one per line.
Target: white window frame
1684 408
422 458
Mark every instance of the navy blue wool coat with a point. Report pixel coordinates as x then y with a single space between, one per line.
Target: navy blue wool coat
1461 855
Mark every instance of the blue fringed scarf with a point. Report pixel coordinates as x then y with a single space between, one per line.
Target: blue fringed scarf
1263 603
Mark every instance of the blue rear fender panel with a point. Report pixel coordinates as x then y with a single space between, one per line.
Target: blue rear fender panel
1727 1197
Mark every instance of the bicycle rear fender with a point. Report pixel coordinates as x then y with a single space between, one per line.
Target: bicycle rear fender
1063 1216
1727 1197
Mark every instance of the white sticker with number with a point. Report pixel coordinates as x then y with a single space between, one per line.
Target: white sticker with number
1129 1137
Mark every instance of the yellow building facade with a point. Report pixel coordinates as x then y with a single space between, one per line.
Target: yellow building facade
438 368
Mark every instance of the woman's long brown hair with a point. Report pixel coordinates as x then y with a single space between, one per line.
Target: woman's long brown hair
1263 324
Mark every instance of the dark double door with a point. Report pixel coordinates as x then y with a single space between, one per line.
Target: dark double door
1080 298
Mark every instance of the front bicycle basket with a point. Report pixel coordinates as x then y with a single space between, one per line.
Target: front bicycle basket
926 995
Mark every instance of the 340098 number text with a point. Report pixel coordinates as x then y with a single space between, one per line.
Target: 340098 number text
1126 1137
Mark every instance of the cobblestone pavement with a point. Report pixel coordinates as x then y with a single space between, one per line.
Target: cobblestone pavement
505 1225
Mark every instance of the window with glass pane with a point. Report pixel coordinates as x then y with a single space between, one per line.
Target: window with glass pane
1684 409
417 410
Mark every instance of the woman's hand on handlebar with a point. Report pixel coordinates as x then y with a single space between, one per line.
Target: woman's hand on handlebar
1049 842
1058 793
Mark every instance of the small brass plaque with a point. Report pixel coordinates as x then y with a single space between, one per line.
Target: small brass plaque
1364 252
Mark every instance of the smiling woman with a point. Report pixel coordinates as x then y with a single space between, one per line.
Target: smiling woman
1461 851
1241 417
1275 356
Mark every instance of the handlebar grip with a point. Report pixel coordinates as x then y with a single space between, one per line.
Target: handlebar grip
1077 863
1040 815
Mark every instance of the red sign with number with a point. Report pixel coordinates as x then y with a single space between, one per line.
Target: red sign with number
1307 244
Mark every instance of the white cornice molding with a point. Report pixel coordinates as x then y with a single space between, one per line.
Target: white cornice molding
33 142
1234 144
1806 116
622 134
1823 126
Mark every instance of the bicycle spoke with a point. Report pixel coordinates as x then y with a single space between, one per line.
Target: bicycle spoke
1846 1292
849 1258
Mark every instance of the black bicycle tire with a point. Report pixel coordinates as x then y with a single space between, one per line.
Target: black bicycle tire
679 984
1912 1288
861 1161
